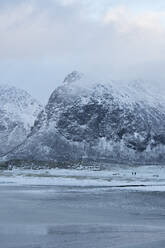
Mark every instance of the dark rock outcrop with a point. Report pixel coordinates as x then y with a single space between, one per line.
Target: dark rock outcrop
84 120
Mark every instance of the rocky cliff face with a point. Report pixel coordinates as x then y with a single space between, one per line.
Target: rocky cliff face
18 110
87 120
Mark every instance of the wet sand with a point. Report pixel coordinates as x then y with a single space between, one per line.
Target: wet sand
75 217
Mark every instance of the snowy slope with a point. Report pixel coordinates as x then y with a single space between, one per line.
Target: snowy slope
18 110
90 119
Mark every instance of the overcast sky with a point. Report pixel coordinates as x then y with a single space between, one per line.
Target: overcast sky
43 40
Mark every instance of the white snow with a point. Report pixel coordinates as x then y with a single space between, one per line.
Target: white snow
18 111
148 178
126 92
19 104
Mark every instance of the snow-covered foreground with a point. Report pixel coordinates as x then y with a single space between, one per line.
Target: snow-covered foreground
147 178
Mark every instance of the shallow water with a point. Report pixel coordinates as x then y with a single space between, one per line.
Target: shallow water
82 208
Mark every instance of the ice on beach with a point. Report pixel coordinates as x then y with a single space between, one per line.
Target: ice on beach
138 178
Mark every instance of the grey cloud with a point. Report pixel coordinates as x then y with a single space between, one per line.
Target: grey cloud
41 41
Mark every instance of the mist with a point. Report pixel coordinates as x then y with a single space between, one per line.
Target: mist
42 41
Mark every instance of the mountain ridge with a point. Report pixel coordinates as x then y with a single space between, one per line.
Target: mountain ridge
84 119
18 111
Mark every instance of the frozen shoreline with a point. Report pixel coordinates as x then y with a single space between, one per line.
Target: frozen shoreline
86 207
144 178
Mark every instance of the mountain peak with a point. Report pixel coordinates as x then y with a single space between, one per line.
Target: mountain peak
73 77
18 111
97 120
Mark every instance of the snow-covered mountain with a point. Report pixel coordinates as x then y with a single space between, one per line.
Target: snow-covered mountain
85 119
18 111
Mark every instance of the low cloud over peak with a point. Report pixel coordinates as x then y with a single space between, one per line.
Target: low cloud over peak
56 36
